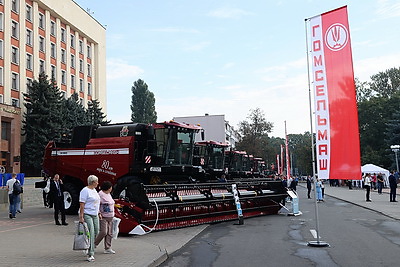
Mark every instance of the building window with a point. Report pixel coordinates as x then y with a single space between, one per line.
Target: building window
28 37
63 35
89 89
80 65
63 77
1 76
15 5
53 72
14 29
1 21
1 49
63 56
15 102
89 70
1 99
41 20
41 43
53 28
73 61
29 12
81 46
29 61
53 50
14 81
14 55
81 89
41 66
72 81
28 85
89 51
72 41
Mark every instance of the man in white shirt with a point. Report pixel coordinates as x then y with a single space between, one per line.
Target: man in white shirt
13 198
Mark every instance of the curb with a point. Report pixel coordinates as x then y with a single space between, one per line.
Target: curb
367 208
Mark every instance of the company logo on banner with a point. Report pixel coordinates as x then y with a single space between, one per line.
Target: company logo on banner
336 117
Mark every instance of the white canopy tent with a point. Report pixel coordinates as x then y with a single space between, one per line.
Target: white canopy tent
373 169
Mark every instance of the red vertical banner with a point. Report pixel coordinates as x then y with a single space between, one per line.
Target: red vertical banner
287 154
278 164
282 159
336 117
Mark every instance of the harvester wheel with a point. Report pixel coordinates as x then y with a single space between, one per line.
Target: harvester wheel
71 199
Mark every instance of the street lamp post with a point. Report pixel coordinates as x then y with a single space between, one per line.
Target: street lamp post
395 149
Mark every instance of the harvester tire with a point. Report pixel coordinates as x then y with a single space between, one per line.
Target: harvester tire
71 199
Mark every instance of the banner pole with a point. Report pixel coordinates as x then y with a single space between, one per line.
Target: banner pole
317 243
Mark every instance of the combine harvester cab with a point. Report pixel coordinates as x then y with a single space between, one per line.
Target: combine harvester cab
156 186
210 156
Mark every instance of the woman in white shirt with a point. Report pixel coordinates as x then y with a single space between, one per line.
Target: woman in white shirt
367 185
89 205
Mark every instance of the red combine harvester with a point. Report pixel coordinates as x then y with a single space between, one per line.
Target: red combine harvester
156 186
210 156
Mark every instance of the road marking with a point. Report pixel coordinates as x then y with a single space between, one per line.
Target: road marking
24 227
314 233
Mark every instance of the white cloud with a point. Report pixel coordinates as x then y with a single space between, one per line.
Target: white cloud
365 68
197 47
228 13
174 30
388 8
228 65
119 69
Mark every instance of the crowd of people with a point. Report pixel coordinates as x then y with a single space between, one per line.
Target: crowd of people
369 181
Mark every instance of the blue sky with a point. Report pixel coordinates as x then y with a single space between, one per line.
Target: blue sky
230 56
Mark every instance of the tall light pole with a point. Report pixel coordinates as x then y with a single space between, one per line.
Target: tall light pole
395 149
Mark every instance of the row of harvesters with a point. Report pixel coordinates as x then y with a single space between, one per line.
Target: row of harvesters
162 180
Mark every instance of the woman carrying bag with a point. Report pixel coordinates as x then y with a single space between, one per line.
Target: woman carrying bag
106 219
89 204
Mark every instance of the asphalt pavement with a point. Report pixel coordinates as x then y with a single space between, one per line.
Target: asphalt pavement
32 239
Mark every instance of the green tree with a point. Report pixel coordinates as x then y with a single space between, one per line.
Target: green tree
254 133
143 103
73 113
300 149
272 149
363 90
393 136
95 114
386 83
42 120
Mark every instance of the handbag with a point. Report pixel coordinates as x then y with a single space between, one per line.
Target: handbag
82 237
115 227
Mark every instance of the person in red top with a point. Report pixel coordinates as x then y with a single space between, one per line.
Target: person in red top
374 181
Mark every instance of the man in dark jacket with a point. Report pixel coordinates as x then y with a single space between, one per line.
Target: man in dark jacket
393 186
57 194
309 186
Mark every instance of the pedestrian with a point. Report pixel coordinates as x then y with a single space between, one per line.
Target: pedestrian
106 217
367 186
13 196
309 186
318 190
46 191
393 186
380 183
89 206
350 184
374 178
57 194
322 189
